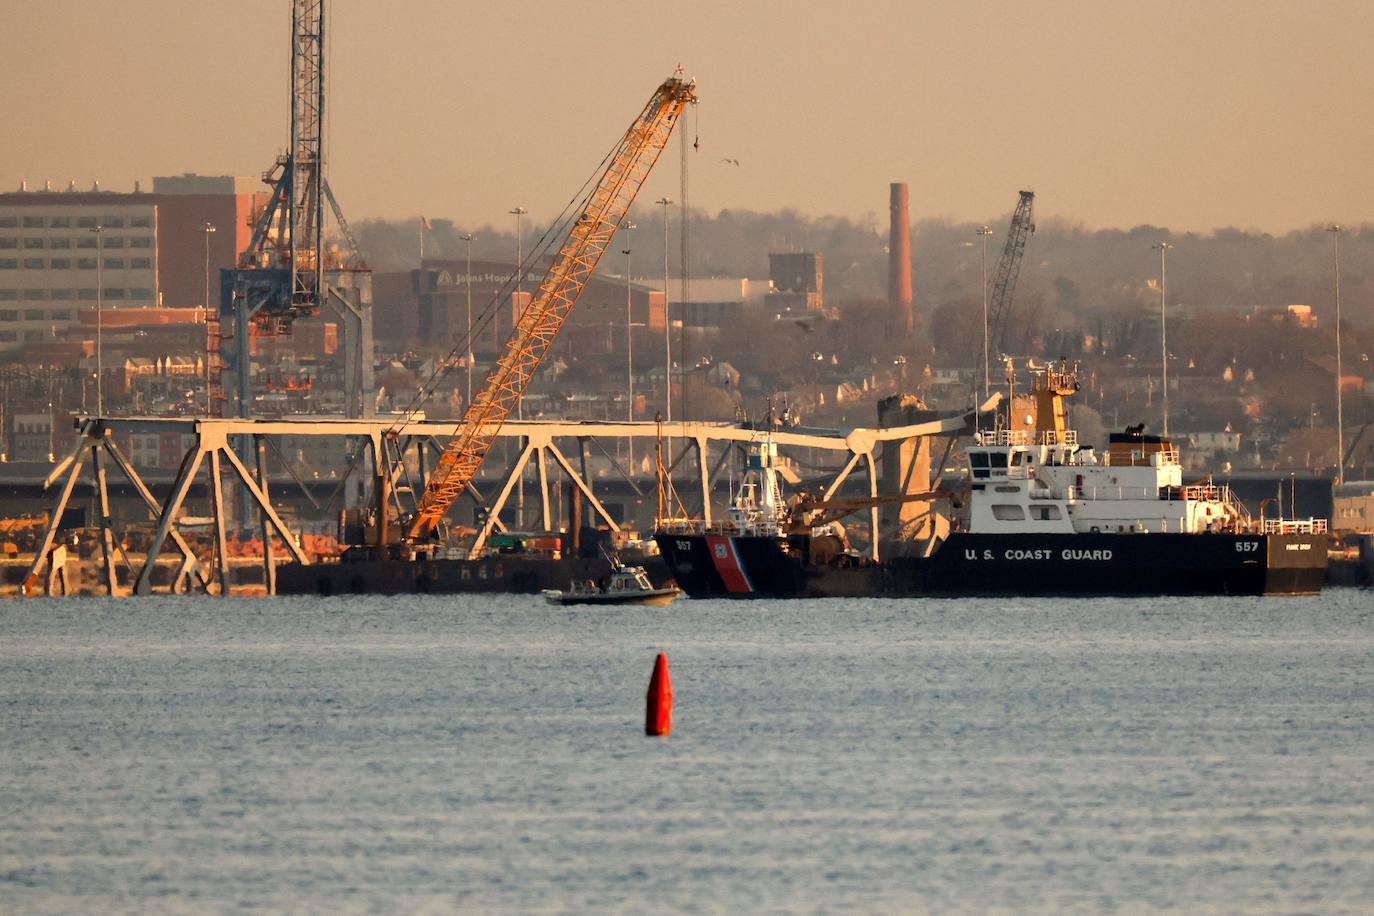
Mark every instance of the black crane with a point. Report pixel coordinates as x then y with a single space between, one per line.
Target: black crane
1008 269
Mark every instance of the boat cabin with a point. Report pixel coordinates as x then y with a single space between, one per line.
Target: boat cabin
623 579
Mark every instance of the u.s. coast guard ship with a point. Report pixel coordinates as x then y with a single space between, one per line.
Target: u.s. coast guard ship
1039 513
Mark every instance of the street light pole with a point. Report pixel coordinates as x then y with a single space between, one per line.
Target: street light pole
629 333
983 232
629 347
1335 230
518 212
1163 249
207 228
664 202
99 301
468 237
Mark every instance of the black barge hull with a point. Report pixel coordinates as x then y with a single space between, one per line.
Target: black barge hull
511 574
709 566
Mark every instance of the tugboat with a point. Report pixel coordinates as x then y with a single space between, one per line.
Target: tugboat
625 585
1038 514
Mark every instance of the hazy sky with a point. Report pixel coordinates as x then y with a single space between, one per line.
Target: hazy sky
1191 115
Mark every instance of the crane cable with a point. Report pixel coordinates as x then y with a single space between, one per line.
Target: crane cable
556 230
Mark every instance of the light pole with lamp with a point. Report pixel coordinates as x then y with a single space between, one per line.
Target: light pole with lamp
629 333
207 229
99 302
518 212
1335 229
629 346
983 232
1163 249
664 202
468 237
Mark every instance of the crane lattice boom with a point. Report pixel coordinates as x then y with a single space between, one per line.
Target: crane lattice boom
1008 269
541 320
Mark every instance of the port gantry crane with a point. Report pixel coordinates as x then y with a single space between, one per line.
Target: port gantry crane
605 207
1008 270
287 271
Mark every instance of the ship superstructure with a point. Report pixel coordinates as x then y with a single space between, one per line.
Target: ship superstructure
1043 481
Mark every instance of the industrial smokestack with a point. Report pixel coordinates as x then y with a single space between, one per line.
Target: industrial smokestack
899 297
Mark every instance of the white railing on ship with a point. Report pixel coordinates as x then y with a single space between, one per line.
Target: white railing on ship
1067 437
1002 437
1293 526
696 526
1237 508
1138 493
1167 456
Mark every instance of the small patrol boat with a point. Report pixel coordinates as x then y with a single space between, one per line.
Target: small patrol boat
625 585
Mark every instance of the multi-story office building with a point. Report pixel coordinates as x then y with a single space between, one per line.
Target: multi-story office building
51 255
149 249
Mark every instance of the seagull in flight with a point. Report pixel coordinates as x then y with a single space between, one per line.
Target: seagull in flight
734 162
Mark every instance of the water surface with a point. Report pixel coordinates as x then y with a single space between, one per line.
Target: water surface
430 752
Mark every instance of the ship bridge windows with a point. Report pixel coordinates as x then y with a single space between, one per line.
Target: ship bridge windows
978 461
1008 513
988 464
1046 513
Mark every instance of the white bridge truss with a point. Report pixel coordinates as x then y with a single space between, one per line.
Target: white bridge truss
218 444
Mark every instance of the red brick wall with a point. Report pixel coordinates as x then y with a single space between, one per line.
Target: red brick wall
181 246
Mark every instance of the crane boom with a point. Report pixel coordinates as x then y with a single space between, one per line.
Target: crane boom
534 332
1008 269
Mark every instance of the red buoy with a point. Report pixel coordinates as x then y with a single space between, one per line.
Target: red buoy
658 714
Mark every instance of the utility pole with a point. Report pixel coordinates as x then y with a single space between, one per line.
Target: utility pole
1335 229
206 229
1163 249
467 359
99 302
983 232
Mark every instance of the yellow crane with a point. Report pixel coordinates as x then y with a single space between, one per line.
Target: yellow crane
627 167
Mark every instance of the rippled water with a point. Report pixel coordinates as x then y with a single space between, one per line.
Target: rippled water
431 753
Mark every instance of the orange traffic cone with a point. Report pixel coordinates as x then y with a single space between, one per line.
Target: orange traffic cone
658 715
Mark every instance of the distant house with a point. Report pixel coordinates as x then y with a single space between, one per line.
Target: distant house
1353 506
1223 441
1296 314
1350 382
